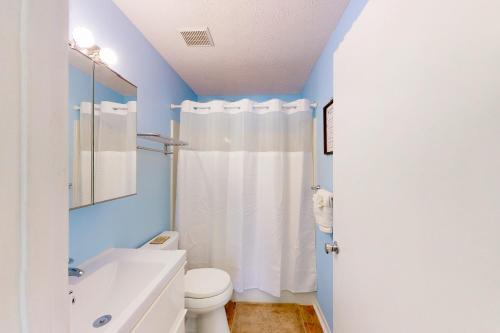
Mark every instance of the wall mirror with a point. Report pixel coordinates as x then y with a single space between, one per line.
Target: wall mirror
80 96
102 133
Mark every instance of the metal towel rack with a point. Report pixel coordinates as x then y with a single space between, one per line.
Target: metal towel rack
314 188
165 141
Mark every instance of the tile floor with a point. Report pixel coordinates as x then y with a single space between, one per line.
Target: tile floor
272 318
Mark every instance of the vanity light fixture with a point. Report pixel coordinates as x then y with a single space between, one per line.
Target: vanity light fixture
83 38
108 56
83 41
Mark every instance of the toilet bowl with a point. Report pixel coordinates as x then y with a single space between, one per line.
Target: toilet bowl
206 290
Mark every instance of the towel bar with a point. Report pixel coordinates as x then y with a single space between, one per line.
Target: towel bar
165 152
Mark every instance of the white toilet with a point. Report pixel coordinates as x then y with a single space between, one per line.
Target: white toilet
206 292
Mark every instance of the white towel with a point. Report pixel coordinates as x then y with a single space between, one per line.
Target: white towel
323 211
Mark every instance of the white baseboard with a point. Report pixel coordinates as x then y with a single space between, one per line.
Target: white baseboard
258 296
321 317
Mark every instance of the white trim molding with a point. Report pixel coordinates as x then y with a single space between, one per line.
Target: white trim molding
321 317
34 192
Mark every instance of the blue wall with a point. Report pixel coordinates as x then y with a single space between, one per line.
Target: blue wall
319 88
257 98
131 221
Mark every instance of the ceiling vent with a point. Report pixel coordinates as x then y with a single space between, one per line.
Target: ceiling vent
197 37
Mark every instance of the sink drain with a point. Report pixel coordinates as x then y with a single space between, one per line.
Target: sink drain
101 321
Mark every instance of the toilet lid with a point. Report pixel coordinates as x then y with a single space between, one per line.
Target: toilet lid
206 282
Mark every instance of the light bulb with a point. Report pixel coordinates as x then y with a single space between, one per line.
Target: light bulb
83 37
108 56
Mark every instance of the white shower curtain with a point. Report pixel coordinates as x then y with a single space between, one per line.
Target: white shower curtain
243 192
114 150
82 157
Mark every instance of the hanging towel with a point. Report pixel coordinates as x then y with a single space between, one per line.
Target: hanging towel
323 211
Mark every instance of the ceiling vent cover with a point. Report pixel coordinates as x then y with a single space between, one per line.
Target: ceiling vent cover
197 37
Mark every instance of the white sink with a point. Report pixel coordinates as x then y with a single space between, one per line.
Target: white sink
122 283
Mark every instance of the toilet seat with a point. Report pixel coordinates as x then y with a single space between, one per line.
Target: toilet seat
204 305
206 282
207 289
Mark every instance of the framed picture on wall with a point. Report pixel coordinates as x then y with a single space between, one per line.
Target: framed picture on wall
328 128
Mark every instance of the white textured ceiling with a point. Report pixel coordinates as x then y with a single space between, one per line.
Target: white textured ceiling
261 46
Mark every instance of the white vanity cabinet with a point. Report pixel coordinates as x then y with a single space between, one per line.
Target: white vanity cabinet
167 313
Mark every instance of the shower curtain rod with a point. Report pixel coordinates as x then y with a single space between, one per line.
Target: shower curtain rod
178 106
77 108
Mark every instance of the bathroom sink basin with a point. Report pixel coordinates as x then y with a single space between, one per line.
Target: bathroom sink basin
119 286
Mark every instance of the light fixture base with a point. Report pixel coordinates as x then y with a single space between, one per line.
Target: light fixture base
92 52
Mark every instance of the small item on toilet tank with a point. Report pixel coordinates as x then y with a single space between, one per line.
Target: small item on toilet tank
170 241
159 240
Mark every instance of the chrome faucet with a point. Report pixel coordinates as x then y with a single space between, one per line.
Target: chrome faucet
73 271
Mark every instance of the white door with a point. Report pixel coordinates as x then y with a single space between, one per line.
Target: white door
417 169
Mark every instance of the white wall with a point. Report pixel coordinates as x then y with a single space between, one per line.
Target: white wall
9 169
417 168
33 194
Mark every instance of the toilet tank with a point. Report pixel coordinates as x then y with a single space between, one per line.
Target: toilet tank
172 243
